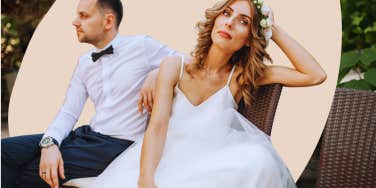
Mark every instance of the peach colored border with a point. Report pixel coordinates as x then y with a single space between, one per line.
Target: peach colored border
53 51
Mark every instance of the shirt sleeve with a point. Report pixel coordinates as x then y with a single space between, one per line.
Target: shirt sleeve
155 52
69 113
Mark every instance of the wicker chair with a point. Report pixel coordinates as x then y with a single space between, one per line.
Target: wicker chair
348 151
261 113
263 108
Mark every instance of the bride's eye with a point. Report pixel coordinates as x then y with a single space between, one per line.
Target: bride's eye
226 13
244 22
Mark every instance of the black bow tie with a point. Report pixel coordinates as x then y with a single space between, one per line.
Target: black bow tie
95 56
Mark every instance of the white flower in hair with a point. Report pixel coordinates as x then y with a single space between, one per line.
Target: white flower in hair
269 22
264 23
265 10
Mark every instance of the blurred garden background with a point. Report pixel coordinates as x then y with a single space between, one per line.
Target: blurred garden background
19 18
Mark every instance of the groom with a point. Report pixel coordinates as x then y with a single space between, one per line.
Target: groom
112 75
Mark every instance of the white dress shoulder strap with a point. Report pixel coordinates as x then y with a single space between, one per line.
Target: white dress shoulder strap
181 67
230 76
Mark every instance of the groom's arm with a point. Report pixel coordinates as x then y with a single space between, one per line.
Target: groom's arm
147 94
69 113
154 53
51 165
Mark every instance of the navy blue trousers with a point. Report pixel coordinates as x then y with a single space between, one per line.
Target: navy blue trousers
85 153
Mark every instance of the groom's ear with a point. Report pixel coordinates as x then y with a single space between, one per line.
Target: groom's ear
110 21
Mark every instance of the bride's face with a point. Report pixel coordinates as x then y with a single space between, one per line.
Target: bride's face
232 27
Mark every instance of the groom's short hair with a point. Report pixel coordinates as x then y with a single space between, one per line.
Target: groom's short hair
116 6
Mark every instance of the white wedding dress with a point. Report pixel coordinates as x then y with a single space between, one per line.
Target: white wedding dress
209 145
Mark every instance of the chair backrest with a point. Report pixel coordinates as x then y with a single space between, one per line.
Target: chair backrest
263 108
348 151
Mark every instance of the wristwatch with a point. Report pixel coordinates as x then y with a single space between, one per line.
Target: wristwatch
47 142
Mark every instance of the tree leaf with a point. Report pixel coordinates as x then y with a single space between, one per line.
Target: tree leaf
349 60
342 74
370 76
356 84
370 29
357 18
368 56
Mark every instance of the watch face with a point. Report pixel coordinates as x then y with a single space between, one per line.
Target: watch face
46 142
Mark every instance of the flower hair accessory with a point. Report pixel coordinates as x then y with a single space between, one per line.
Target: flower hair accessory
266 22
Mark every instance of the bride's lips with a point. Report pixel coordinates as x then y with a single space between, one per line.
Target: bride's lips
224 34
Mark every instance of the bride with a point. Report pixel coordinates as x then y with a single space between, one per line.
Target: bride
195 137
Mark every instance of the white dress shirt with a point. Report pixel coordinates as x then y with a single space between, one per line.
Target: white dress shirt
113 83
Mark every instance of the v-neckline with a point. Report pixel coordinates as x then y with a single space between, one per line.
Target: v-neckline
204 101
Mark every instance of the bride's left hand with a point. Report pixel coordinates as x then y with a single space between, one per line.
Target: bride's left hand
271 16
267 23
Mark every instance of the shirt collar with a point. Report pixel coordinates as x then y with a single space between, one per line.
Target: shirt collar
113 42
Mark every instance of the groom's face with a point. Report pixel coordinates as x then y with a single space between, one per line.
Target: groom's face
89 22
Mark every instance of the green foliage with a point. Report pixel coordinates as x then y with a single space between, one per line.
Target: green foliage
370 76
364 62
18 22
10 51
358 43
357 84
358 24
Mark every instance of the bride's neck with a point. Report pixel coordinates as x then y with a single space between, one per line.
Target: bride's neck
216 60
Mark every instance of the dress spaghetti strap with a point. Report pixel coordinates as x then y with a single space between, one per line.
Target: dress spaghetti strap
231 73
181 67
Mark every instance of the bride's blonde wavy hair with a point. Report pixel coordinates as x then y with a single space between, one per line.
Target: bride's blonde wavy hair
250 57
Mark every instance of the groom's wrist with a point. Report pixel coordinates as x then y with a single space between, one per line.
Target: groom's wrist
47 142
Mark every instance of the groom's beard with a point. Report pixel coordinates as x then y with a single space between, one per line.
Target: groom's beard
90 40
83 38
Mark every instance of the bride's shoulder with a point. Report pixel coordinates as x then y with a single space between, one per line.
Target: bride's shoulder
174 62
171 62
170 67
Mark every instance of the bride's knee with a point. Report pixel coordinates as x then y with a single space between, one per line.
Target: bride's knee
263 159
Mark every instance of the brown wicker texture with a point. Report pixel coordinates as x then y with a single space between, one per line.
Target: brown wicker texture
263 108
348 151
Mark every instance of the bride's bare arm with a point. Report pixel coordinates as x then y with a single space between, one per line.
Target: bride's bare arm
306 72
155 135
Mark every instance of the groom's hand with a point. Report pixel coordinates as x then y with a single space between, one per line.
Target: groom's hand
51 163
147 93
